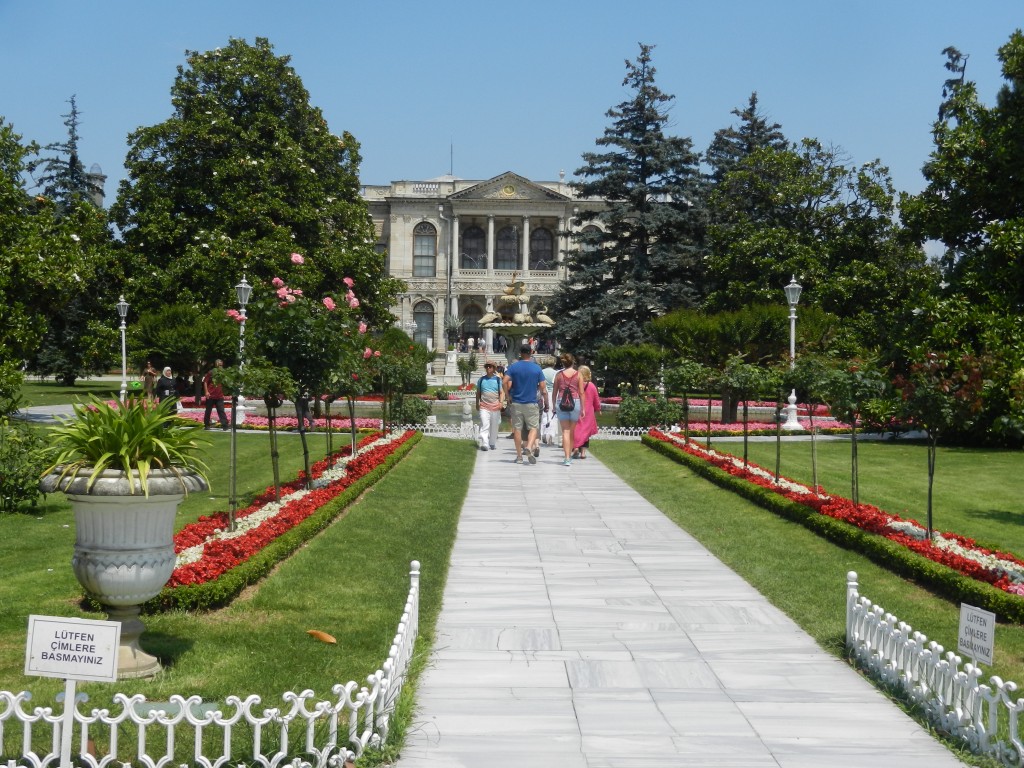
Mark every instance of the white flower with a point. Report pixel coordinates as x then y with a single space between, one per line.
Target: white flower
76 238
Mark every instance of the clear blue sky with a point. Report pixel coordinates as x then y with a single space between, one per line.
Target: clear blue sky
512 86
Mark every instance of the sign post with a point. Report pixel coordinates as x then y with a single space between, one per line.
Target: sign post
977 636
73 649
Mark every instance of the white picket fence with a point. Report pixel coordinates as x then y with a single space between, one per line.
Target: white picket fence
302 733
950 693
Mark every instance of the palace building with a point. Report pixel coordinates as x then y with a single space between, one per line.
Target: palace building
458 243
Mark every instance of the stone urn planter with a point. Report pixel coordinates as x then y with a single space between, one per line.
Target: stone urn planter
125 469
124 547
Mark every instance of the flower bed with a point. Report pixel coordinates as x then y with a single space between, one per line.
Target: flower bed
823 425
215 564
260 423
962 554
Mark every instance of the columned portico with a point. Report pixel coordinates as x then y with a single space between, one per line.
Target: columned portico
484 231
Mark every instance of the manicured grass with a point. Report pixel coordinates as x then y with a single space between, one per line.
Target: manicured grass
978 492
802 574
35 392
350 581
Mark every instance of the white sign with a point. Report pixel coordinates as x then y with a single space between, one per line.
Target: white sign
977 634
73 649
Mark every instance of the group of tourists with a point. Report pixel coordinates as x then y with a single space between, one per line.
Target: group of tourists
533 395
163 385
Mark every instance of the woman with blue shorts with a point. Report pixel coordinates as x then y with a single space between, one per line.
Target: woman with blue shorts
567 384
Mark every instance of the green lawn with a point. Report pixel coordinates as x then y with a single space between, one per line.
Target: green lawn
351 581
978 492
35 392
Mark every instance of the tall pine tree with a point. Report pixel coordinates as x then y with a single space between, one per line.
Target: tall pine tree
63 177
731 145
242 174
639 255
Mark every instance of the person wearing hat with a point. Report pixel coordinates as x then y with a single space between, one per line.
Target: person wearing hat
490 399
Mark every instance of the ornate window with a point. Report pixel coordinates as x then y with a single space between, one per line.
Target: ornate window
542 249
424 250
423 316
589 243
473 254
506 249
471 327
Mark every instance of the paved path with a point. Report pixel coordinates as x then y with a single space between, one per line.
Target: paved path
582 629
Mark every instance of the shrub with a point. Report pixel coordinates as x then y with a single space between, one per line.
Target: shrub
644 412
21 463
411 410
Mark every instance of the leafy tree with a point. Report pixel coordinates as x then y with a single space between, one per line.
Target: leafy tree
634 368
642 256
849 388
81 335
974 202
39 256
942 392
399 368
184 336
244 173
803 211
684 377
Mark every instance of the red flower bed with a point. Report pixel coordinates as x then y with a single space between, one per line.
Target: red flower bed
221 555
865 516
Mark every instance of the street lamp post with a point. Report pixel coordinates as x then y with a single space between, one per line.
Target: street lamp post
122 310
243 290
792 297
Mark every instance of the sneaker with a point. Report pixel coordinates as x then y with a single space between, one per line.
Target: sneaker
532 457
567 463
536 452
483 447
519 460
494 447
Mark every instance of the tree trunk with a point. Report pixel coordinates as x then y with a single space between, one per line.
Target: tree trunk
272 405
707 439
305 444
932 446
854 476
686 417
352 425
778 437
814 450
746 431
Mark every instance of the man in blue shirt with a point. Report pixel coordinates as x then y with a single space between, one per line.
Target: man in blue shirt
524 383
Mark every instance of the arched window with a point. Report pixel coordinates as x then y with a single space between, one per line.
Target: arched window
542 249
589 242
506 249
473 254
424 250
423 316
471 327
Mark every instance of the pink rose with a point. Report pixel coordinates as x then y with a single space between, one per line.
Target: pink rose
353 303
367 353
329 303
289 298
362 327
277 282
282 292
297 258
349 282
376 353
297 291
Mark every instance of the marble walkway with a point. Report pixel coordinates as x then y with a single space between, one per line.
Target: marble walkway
583 629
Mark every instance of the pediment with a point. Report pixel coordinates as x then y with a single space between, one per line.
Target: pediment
508 186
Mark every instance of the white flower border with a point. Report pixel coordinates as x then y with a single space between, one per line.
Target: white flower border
997 565
271 509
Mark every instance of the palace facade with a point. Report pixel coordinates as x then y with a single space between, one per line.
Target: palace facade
458 243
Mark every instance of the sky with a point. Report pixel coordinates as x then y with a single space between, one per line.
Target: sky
480 87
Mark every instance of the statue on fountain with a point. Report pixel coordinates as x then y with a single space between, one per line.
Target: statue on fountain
512 316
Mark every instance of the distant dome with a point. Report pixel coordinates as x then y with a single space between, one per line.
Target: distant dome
95 169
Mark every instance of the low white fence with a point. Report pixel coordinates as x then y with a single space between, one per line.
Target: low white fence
302 733
950 693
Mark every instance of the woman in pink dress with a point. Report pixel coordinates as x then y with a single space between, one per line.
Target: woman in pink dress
587 426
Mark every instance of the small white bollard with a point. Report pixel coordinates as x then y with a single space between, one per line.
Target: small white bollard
792 423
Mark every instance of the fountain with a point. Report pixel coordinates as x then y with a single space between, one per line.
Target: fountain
512 317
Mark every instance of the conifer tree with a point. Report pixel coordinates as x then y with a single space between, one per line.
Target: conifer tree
63 176
731 145
639 255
